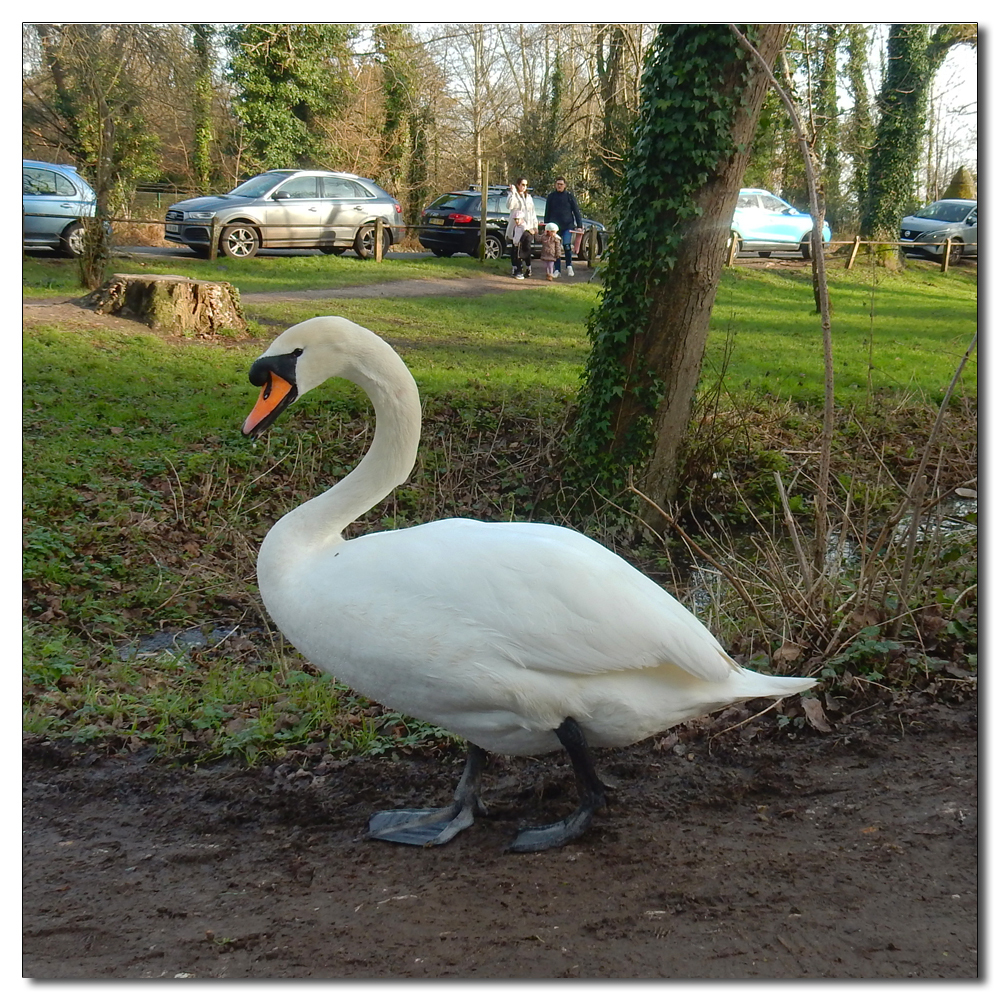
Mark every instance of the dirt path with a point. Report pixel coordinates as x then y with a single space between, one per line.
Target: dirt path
484 284
845 855
67 314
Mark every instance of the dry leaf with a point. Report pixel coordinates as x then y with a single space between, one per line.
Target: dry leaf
789 651
815 715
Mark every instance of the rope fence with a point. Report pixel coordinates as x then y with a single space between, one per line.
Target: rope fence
590 239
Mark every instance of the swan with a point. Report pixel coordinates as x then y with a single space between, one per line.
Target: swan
522 638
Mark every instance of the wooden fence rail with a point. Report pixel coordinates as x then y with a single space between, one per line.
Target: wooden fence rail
590 240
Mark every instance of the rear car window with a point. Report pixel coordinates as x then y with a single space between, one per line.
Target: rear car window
455 202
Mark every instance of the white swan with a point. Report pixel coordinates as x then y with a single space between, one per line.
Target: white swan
520 637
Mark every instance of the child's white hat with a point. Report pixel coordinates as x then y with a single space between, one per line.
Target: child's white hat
551 227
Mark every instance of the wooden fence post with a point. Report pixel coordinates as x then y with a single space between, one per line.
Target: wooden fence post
379 238
733 246
484 206
591 247
947 256
213 239
854 253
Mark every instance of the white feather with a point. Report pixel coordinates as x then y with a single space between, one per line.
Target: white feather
494 631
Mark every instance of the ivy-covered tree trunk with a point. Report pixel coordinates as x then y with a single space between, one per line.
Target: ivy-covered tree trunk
700 102
860 129
828 124
913 57
898 138
201 154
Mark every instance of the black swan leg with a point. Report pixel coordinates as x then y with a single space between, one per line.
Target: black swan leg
589 786
431 827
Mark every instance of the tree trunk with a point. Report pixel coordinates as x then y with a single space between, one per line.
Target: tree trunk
700 103
171 302
673 342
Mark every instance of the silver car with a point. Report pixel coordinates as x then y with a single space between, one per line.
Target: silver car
54 201
931 226
289 208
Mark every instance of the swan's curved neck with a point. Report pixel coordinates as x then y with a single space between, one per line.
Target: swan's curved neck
387 463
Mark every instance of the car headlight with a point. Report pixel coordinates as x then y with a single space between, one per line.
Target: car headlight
199 216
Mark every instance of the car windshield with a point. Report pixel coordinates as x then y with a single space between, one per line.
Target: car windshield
944 211
258 186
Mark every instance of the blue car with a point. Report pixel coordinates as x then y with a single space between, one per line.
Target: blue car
764 223
54 200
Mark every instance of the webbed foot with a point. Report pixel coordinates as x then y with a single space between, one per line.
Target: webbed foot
432 827
590 787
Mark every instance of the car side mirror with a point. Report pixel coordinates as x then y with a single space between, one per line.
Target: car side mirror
280 195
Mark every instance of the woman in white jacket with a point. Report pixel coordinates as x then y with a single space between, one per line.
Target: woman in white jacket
520 231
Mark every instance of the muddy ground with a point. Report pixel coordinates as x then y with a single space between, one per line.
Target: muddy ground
848 854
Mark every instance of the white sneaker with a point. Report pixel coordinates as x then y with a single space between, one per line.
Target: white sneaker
520 277
555 274
569 271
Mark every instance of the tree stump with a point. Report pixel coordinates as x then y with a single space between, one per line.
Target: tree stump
171 302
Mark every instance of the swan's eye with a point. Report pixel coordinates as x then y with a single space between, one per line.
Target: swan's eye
297 352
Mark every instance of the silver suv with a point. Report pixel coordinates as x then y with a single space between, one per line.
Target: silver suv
289 208
931 227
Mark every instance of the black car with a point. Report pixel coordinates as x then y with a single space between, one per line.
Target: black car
450 224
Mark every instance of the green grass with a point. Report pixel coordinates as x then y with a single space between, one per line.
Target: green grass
895 334
144 505
506 345
44 276
201 705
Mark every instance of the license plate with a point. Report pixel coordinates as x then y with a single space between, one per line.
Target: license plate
172 229
437 222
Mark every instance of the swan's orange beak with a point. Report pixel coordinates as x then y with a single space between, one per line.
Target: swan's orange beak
275 394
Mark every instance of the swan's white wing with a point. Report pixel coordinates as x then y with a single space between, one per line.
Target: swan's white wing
543 597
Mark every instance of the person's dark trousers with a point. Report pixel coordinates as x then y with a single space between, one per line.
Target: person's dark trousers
520 253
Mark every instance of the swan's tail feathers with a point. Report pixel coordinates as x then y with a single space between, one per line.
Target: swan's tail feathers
768 686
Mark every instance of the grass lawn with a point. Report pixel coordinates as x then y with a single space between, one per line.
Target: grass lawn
144 505
52 276
892 334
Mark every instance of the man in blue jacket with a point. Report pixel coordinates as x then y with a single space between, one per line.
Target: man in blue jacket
562 209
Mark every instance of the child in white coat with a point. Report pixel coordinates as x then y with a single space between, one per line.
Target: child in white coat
551 247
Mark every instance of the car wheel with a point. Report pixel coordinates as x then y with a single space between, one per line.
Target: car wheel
336 251
734 237
443 253
957 248
364 242
494 246
240 242
805 247
72 240
763 253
